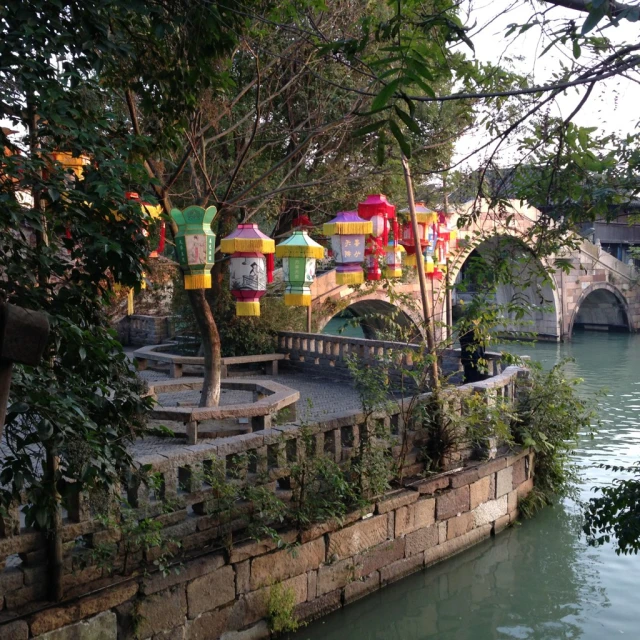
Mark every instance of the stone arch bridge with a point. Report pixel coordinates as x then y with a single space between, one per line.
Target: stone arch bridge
599 292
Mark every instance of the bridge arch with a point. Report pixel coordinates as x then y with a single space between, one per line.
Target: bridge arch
540 294
373 313
601 306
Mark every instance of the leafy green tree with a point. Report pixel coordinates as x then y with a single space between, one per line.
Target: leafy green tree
66 240
614 514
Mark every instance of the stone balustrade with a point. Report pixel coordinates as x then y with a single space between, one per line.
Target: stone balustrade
327 353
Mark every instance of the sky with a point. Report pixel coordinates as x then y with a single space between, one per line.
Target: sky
614 103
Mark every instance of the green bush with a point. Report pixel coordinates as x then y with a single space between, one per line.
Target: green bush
550 416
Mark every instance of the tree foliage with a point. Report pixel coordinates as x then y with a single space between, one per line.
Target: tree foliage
614 514
67 240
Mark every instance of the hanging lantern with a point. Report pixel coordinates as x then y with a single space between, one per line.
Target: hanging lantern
195 245
248 266
425 218
154 211
303 221
453 239
393 259
299 254
347 231
69 161
379 211
443 245
429 267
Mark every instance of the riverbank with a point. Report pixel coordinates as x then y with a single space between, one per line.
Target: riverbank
538 580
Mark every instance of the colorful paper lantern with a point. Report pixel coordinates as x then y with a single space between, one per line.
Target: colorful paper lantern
379 211
69 161
152 210
303 221
453 239
443 245
429 266
347 231
299 254
195 245
247 266
425 218
394 253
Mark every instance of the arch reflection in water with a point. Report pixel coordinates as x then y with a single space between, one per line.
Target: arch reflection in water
375 320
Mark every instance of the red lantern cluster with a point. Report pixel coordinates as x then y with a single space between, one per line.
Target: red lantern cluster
425 218
382 214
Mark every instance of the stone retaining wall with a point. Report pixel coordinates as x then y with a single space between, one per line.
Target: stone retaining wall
223 594
140 330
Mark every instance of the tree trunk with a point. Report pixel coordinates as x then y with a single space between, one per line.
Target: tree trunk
421 277
211 345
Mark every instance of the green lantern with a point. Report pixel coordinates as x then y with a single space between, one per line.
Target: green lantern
299 254
195 245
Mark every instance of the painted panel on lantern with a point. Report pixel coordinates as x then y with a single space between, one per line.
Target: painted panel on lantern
299 269
432 236
181 250
197 249
378 223
248 273
347 248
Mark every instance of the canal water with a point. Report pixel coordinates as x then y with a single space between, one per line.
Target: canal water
538 580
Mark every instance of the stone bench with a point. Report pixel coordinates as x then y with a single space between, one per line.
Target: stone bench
268 398
155 353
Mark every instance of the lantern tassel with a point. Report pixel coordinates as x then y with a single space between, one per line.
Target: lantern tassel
247 309
350 277
201 281
163 235
297 299
346 228
247 245
392 273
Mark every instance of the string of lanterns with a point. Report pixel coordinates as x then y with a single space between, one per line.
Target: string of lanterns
372 236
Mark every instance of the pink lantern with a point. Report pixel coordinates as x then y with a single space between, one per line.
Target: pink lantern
347 231
248 266
379 211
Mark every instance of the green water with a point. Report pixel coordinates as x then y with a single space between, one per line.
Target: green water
539 580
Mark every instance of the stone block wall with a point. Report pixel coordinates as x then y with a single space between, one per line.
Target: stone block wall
224 594
140 330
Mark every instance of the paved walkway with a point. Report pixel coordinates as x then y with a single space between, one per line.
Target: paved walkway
320 397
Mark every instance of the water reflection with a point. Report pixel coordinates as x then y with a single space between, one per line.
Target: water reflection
538 581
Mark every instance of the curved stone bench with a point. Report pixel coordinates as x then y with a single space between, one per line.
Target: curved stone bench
269 398
155 353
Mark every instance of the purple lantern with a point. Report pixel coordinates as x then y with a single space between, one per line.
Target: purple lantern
348 231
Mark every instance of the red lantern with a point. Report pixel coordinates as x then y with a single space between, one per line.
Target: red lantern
302 223
379 211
